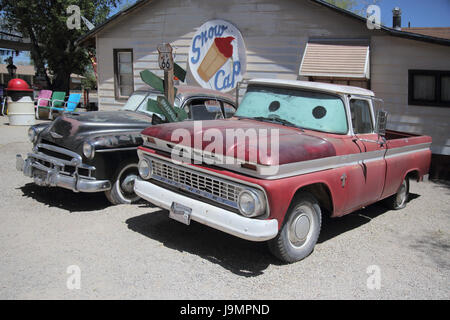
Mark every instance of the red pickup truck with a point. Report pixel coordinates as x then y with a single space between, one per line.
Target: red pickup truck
330 154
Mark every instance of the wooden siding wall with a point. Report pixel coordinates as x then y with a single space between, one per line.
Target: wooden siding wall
275 34
391 59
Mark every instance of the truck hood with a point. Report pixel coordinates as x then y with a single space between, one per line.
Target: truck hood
72 129
292 145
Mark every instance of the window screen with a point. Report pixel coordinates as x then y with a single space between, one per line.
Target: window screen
123 72
445 89
424 87
429 88
304 108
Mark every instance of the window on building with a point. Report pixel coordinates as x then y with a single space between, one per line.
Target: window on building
123 73
361 116
429 88
445 89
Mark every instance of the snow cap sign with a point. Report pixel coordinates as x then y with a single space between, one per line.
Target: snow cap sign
217 57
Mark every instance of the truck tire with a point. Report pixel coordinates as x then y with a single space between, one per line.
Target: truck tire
300 231
400 199
122 191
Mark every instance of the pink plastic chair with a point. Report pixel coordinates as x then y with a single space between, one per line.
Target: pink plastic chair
43 100
44 97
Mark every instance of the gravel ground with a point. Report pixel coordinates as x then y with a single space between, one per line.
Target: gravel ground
138 252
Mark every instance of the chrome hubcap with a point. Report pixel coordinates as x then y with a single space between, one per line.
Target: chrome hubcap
128 183
300 226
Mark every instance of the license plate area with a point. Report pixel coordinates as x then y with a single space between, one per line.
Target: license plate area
180 213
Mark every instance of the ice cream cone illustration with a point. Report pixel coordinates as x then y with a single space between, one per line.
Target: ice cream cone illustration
219 53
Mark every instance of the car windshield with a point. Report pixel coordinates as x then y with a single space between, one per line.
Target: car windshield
138 102
295 107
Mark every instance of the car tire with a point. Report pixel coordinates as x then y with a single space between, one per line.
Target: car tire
300 231
122 190
399 200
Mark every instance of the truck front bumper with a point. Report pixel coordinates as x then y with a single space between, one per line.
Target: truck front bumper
227 221
51 175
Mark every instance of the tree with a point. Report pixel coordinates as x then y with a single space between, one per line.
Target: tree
89 81
53 42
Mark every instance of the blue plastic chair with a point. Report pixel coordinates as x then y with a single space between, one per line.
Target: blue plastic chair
68 106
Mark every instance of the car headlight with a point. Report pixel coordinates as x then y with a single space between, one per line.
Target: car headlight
32 134
88 150
145 169
251 203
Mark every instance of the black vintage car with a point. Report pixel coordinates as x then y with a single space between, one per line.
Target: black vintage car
96 151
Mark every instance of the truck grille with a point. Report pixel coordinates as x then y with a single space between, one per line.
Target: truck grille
200 184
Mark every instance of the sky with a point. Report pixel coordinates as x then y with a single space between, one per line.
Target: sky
420 13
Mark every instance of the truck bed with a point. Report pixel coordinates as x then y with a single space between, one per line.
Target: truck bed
393 135
407 155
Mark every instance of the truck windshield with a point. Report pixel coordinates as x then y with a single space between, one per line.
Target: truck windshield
296 107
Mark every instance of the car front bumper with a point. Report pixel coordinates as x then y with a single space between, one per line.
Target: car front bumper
52 176
227 221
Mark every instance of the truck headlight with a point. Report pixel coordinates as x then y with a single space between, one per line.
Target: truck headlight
88 150
145 169
251 203
32 134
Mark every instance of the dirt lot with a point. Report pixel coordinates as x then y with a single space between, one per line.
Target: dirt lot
138 252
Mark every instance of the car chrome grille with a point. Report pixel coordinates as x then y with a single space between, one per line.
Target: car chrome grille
65 161
54 154
195 182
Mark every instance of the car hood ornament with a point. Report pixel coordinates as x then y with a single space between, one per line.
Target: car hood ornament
55 135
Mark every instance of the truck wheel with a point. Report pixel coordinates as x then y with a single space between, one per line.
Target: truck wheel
122 191
400 199
301 228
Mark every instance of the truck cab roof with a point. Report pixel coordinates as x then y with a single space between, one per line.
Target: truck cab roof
318 86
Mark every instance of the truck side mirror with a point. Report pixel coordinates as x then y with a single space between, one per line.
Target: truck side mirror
381 122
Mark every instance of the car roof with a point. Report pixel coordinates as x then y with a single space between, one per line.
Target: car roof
187 91
319 86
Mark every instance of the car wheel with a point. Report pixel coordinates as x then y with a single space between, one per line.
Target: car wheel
400 199
122 191
300 232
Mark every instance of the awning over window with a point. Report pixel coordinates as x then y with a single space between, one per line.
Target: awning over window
336 61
